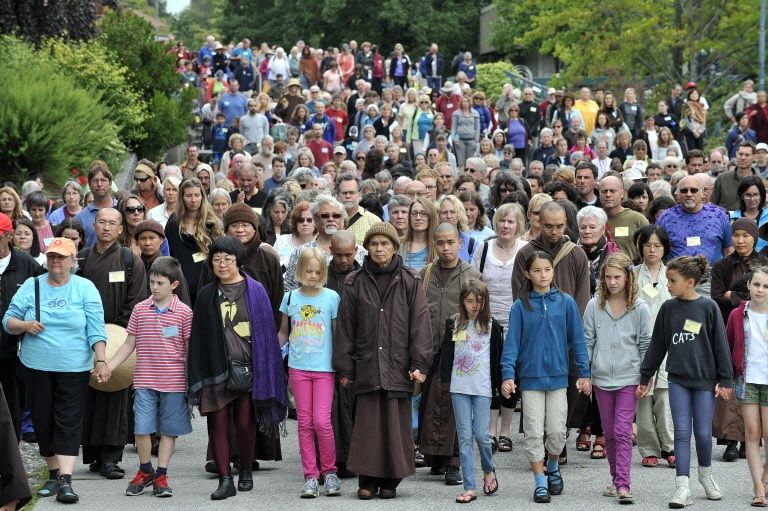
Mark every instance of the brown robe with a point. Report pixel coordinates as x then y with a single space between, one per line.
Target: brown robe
13 480
108 420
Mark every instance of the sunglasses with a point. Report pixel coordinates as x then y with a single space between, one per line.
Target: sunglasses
686 191
326 216
134 209
360 158
140 179
305 220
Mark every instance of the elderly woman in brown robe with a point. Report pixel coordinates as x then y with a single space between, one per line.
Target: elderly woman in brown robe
382 344
14 487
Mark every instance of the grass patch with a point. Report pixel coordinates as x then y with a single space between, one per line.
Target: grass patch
41 474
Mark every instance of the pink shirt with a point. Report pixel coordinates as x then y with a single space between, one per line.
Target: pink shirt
162 338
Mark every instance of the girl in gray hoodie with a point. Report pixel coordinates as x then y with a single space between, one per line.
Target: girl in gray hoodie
617 330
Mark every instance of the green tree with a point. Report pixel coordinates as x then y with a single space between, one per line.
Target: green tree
37 19
452 24
198 20
151 72
663 41
49 123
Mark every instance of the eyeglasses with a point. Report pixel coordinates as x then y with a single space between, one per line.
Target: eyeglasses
536 213
326 216
305 220
505 190
686 191
671 166
105 223
223 261
423 102
751 196
141 179
134 209
416 214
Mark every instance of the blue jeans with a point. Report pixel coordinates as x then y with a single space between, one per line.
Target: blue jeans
473 417
686 405
434 83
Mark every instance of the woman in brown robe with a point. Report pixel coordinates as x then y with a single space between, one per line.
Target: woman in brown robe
382 343
14 487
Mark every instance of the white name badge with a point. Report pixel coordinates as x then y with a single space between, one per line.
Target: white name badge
693 241
449 105
324 150
198 257
116 276
533 109
622 232
650 291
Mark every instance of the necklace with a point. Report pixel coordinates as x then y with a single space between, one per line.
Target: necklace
504 250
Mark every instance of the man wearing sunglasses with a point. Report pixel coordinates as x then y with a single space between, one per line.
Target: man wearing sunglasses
148 188
695 227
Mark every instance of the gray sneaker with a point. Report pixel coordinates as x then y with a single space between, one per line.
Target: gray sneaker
311 489
332 484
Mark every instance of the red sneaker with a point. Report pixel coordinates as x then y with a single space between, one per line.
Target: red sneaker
139 483
160 487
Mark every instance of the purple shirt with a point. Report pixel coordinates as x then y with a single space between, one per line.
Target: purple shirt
707 232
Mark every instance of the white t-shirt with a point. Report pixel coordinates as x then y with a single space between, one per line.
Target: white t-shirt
4 262
756 368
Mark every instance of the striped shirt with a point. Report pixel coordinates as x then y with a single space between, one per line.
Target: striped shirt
162 337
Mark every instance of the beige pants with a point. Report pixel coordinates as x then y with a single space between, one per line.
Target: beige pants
654 424
544 412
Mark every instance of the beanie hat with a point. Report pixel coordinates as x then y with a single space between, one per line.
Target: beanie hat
382 229
240 212
746 225
149 225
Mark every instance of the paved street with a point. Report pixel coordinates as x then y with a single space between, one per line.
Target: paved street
277 485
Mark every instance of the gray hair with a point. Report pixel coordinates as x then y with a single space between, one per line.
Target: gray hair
347 166
546 131
323 199
399 201
74 185
380 139
661 188
220 192
383 175
477 164
303 175
592 212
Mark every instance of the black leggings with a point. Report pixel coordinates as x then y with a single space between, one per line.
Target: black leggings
57 403
245 431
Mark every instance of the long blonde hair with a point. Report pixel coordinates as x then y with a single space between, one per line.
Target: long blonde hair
207 225
17 211
623 263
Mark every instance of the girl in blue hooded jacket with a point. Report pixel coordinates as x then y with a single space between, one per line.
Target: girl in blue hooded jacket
544 324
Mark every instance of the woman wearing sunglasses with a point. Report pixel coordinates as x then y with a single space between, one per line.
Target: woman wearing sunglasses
134 212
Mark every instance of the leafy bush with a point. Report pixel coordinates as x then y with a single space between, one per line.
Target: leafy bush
94 67
48 123
491 77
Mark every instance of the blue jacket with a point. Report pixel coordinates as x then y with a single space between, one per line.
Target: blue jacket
329 128
538 341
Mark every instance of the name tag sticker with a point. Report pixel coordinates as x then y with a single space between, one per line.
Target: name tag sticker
198 257
460 336
649 290
117 276
533 109
170 331
693 241
622 232
449 105
692 326
324 150
634 108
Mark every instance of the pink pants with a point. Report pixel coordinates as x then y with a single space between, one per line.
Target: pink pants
617 411
313 392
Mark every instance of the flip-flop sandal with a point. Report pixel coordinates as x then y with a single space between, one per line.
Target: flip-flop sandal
609 491
625 497
487 487
494 444
466 497
758 501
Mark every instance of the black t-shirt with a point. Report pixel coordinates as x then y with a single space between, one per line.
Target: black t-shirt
257 200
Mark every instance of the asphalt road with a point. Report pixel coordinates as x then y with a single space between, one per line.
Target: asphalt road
277 485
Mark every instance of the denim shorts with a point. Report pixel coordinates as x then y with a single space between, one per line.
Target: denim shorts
755 394
165 413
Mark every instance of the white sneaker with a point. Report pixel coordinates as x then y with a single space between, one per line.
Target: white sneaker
708 483
682 496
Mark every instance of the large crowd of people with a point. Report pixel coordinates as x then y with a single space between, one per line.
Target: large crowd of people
399 262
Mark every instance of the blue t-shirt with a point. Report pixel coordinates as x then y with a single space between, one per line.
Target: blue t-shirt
311 338
425 124
73 321
233 105
220 135
707 232
87 217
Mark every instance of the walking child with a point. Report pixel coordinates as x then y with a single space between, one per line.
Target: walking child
617 329
655 438
159 331
544 324
689 331
747 333
471 365
311 311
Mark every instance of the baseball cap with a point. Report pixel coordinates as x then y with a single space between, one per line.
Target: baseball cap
62 246
551 90
762 146
5 224
339 150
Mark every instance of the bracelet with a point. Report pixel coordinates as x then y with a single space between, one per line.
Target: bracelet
101 361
